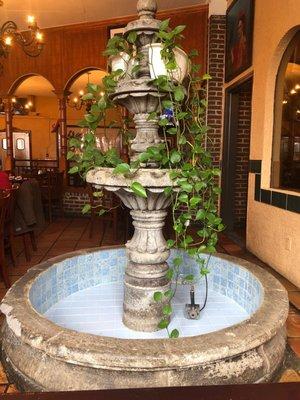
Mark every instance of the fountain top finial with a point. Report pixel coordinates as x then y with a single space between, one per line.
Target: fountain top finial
147 8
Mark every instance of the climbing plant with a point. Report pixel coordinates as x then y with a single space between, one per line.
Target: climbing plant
194 202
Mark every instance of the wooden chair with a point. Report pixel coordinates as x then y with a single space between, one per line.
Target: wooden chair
12 234
51 185
108 202
5 204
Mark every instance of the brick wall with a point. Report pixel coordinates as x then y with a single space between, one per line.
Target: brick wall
216 68
74 201
242 157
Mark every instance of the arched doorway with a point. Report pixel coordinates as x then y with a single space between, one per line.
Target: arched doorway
34 111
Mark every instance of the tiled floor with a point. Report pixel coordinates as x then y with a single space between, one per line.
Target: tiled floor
65 235
98 310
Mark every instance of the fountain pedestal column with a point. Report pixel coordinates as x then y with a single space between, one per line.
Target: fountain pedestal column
146 271
147 252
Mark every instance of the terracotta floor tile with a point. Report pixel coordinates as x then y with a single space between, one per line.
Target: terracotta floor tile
12 389
3 377
3 389
295 345
294 298
64 244
293 325
3 293
289 375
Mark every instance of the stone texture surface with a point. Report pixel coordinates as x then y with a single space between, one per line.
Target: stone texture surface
147 251
39 355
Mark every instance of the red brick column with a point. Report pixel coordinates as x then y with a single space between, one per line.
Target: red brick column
216 68
242 157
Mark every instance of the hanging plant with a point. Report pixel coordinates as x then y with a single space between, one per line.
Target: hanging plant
181 115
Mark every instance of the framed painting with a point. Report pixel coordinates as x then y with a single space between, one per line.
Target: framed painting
113 31
239 43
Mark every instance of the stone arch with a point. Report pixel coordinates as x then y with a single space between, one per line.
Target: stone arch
79 73
22 79
270 102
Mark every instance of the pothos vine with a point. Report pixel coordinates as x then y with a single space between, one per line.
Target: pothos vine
190 165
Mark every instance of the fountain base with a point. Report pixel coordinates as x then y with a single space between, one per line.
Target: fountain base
40 355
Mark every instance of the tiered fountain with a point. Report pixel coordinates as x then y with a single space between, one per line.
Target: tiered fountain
42 352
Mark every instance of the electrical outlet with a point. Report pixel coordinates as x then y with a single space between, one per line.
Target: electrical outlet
288 243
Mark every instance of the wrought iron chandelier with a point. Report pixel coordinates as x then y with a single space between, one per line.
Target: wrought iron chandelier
31 42
78 102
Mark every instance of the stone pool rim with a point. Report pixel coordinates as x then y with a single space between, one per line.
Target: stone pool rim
38 332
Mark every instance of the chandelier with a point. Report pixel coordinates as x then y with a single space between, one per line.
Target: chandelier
78 102
31 42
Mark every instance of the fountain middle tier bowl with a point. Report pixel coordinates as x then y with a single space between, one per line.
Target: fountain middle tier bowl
63 327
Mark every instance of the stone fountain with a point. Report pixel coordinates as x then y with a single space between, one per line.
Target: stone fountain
147 250
40 353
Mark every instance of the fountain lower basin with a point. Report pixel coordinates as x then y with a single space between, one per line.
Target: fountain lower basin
240 337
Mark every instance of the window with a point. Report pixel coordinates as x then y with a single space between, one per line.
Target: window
286 146
4 144
20 144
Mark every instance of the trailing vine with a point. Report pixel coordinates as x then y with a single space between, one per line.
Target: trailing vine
194 202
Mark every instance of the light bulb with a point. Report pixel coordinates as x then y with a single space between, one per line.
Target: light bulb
298 111
13 100
8 41
39 37
284 102
102 94
29 104
81 92
297 87
293 91
31 20
75 100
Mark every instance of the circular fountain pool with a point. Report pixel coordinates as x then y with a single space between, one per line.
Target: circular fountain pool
64 330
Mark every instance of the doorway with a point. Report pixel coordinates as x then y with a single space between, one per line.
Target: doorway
235 165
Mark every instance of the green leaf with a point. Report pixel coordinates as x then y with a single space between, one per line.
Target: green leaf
164 24
174 334
132 37
169 293
122 169
86 208
167 309
158 296
172 131
179 29
168 190
74 169
194 201
98 194
186 187
178 261
183 198
164 323
175 157
87 96
138 189
167 104
189 278
101 212
169 274
179 93
206 77
70 155
170 243
201 214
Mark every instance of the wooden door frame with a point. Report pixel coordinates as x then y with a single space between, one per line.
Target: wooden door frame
229 151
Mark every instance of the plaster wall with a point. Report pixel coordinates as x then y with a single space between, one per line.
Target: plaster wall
273 234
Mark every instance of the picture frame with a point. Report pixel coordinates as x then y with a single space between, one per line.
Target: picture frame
239 38
115 30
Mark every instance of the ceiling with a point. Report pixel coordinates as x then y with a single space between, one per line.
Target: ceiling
39 86
51 13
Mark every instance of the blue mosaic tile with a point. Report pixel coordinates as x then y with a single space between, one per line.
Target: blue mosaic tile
106 266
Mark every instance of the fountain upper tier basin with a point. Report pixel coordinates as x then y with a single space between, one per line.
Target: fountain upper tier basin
40 355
